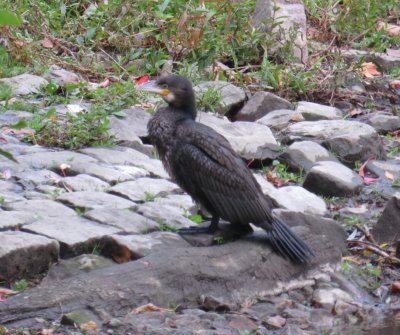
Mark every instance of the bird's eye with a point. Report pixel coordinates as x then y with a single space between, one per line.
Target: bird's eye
164 85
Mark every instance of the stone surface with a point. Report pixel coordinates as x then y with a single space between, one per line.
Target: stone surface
91 200
37 177
75 234
144 189
260 104
231 96
280 119
384 61
304 154
327 298
14 219
83 182
382 169
23 254
39 209
349 140
314 112
11 116
384 123
124 219
250 140
387 229
332 179
60 77
25 84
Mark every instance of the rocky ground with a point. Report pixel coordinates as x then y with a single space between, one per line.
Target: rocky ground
96 206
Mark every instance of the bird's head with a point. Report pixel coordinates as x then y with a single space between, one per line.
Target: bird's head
177 91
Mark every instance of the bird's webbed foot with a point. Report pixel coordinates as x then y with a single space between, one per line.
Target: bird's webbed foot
211 229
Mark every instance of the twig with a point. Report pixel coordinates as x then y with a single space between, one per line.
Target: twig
367 234
375 249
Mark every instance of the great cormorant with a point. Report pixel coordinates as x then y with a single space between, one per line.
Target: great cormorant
202 163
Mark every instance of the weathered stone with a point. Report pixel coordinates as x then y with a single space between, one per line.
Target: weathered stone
38 177
83 182
349 140
385 61
304 154
75 234
280 119
250 140
384 168
314 112
14 219
12 116
25 84
60 77
327 298
124 219
23 255
231 96
91 200
260 104
332 179
41 208
72 108
144 189
127 156
143 245
384 123
388 226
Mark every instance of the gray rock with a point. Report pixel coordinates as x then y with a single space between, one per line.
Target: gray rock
280 119
332 179
383 122
75 234
126 220
39 209
382 168
304 154
314 112
14 219
144 189
143 245
260 104
349 140
23 255
231 96
83 182
387 228
60 77
25 84
72 108
92 200
384 61
250 140
11 117
128 130
327 298
38 177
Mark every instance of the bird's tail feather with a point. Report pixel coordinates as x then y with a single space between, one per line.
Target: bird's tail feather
287 243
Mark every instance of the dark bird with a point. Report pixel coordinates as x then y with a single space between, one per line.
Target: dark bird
202 163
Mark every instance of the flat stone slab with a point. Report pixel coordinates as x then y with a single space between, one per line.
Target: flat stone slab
144 189
14 219
41 208
314 112
384 123
126 220
38 177
250 140
349 140
387 229
382 168
25 84
332 179
143 245
23 255
61 77
304 154
280 119
91 200
83 182
75 234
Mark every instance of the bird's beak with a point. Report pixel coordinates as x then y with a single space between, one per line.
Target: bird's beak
151 86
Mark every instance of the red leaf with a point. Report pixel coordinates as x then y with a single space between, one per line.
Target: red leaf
142 80
361 172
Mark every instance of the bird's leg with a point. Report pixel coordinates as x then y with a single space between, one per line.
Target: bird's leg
202 230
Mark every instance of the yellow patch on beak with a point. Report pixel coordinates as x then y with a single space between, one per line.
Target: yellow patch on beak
165 92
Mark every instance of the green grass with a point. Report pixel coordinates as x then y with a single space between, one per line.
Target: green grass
20 285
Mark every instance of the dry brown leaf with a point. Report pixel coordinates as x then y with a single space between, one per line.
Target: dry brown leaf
183 19
395 287
47 43
122 254
90 325
23 131
355 111
148 308
395 84
296 117
370 70
389 175
391 29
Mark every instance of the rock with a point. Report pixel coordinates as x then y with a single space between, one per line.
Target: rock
83 182
71 267
14 219
143 245
39 209
80 318
231 96
327 298
304 154
250 140
388 226
382 169
314 112
11 116
144 189
332 179
25 84
72 108
260 104
384 123
384 61
76 235
24 255
37 177
91 200
349 140
280 119
126 220
60 77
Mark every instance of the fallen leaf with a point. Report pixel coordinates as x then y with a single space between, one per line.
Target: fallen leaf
395 287
389 175
122 254
147 308
142 80
395 84
6 174
296 117
90 325
370 70
23 131
47 43
391 29
64 167
4 292
367 179
355 111
46 332
105 83
276 321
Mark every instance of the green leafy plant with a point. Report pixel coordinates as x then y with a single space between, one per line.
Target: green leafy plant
20 285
